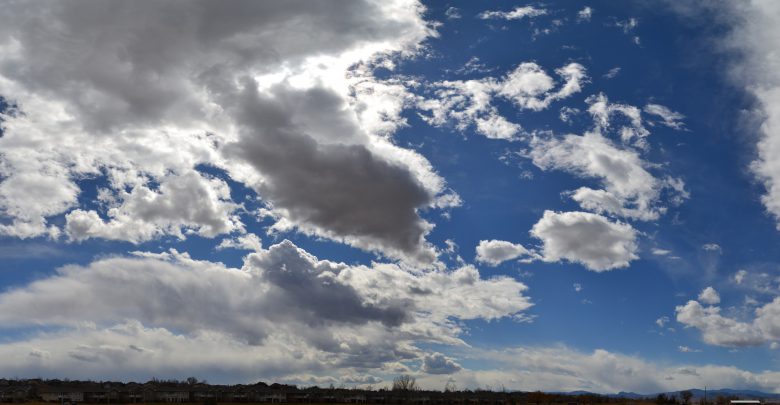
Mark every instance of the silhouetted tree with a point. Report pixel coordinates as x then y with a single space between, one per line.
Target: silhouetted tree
450 386
404 383
686 397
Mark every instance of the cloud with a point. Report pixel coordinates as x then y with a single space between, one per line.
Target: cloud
494 252
187 201
318 314
577 287
529 87
452 13
468 103
686 349
661 252
709 296
562 368
588 239
711 247
753 35
630 190
438 363
148 105
739 276
612 73
662 321
339 187
249 242
628 25
585 14
717 329
669 118
516 14
604 112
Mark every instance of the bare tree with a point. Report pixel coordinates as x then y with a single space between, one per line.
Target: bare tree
405 383
686 397
450 386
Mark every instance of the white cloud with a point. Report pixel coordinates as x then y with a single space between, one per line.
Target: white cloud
662 321
671 119
739 276
467 103
717 329
629 188
249 242
495 252
661 252
561 368
577 287
686 349
146 105
709 296
567 114
516 14
628 25
755 37
452 13
603 112
711 247
612 73
296 312
588 239
585 14
529 87
189 201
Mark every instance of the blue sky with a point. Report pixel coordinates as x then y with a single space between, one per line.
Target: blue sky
556 196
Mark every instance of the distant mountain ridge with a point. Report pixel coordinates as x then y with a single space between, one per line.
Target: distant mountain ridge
697 394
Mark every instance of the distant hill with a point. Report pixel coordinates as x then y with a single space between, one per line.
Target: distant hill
697 394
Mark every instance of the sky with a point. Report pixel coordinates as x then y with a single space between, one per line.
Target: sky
557 195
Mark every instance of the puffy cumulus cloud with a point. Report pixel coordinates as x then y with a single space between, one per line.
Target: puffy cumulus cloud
467 103
709 296
561 368
585 238
516 14
717 329
438 363
630 190
190 201
494 252
123 94
720 330
283 303
529 87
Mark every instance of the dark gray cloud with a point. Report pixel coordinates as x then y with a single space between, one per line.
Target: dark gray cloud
324 176
145 92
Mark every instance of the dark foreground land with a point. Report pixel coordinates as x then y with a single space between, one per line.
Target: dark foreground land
39 391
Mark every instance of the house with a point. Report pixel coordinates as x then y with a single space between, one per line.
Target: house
14 393
60 394
172 394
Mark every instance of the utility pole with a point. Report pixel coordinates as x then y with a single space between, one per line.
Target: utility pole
705 395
